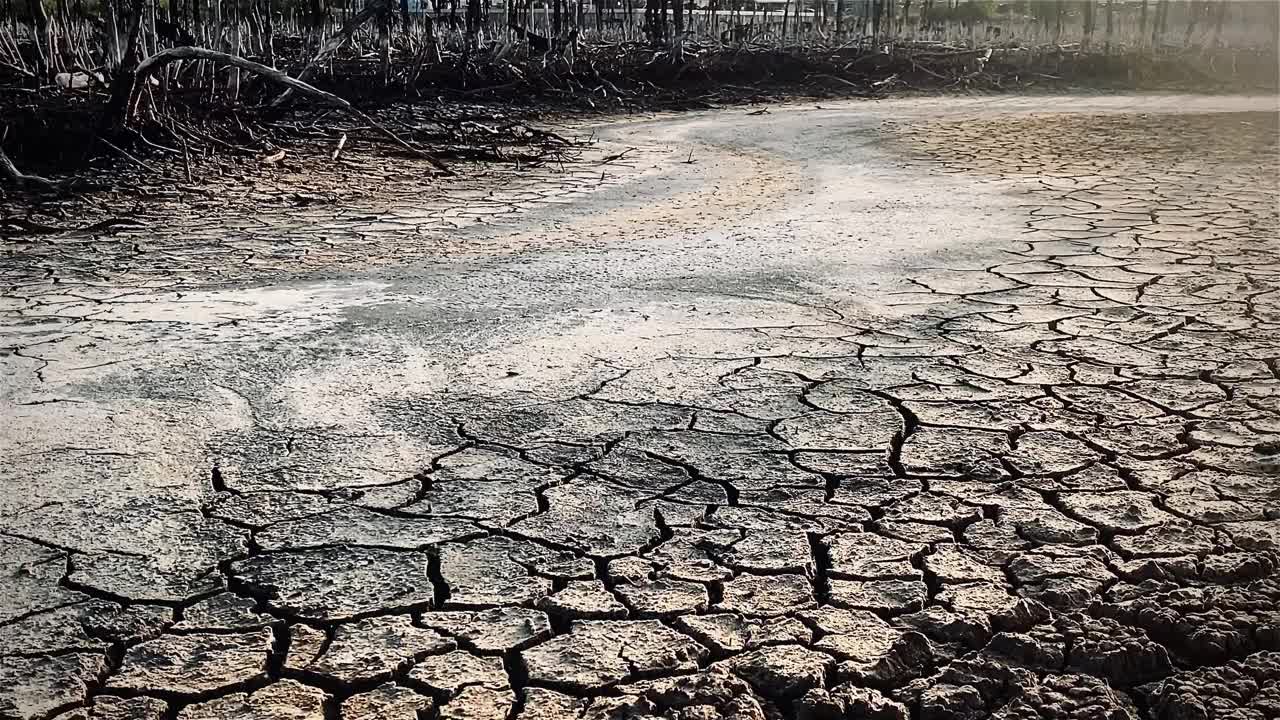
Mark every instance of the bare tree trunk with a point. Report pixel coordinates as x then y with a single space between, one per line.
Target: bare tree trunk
234 85
44 49
1158 27
1273 18
1193 13
150 38
123 85
432 40
430 49
1087 39
839 17
1142 24
269 28
384 42
1220 16
1111 27
877 9
154 44
55 54
677 42
473 23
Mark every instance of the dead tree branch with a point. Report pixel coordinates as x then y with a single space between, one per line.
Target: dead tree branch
164 57
14 177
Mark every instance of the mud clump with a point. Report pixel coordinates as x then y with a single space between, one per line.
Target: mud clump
1246 689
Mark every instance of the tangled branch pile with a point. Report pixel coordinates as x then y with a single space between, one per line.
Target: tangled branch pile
134 78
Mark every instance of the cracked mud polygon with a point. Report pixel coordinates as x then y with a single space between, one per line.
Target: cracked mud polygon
942 409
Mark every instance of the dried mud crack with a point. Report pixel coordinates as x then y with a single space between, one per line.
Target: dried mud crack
984 427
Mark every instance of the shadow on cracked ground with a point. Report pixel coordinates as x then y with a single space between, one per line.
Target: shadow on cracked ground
1053 495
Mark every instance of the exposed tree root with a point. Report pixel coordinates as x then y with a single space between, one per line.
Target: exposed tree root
13 176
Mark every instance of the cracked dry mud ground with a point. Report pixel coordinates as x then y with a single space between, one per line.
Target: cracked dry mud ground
929 409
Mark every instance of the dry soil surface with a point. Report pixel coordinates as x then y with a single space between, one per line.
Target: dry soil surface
942 409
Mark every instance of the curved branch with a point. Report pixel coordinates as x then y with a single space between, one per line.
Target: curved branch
164 57
10 172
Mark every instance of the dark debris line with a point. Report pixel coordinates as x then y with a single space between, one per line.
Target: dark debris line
1060 502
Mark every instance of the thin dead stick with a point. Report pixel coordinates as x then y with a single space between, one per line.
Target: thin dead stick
342 142
164 57
186 160
127 156
20 70
840 80
926 70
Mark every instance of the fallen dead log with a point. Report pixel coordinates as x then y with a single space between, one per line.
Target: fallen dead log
164 57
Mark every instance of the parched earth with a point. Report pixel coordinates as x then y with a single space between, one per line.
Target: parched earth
944 409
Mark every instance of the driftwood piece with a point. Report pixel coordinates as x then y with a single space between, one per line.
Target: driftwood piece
162 58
